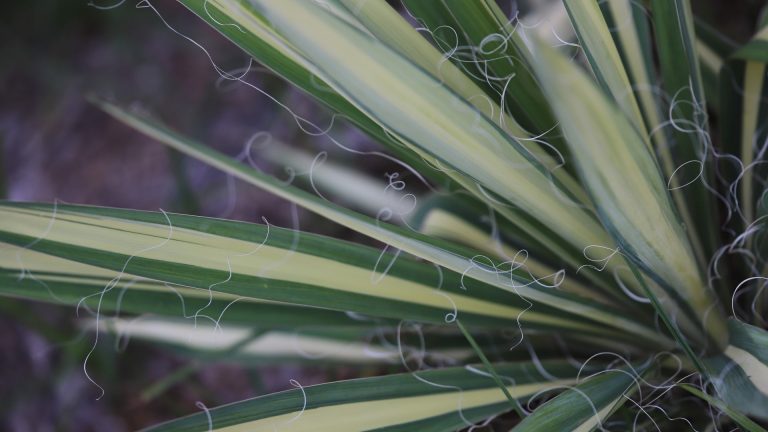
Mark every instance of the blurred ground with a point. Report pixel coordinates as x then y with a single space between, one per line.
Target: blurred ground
57 146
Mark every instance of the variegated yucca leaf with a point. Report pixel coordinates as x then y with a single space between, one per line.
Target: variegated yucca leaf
432 400
740 374
252 262
327 343
604 59
36 276
626 185
545 135
688 166
744 117
217 341
348 186
586 406
239 14
392 29
479 39
626 61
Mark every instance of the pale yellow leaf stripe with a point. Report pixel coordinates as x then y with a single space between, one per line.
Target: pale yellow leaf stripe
754 75
708 56
208 338
33 264
753 368
596 38
371 415
223 253
336 180
600 416
624 27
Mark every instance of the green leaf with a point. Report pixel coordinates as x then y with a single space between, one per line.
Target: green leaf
676 42
604 59
689 167
736 416
586 406
744 96
631 35
259 262
669 323
389 27
622 176
740 374
491 370
713 48
434 400
35 276
480 40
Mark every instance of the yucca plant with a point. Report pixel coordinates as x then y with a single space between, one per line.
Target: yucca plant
592 254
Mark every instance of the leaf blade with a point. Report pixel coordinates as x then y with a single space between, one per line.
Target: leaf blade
623 178
405 400
211 255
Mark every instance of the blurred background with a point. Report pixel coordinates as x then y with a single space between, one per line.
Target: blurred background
54 145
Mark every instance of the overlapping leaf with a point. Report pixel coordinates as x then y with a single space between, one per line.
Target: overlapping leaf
255 262
436 400
586 406
740 374
623 178
744 95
